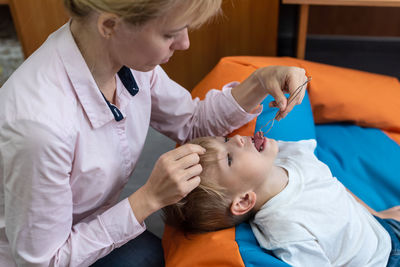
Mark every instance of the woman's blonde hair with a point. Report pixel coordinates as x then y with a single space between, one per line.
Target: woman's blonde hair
207 207
139 12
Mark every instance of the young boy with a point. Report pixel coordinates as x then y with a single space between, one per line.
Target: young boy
297 209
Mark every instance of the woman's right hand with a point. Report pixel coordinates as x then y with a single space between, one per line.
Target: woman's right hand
174 175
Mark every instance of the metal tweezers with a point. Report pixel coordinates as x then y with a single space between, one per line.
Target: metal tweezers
270 123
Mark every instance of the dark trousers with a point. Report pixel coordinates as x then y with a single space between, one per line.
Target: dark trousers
144 251
393 228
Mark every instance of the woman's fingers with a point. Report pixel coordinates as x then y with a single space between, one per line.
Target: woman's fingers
185 161
175 174
296 85
192 183
188 161
188 186
277 93
192 171
185 150
278 80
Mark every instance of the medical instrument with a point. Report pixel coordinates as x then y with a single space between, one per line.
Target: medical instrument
270 123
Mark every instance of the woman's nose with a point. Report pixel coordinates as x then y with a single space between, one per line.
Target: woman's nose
182 42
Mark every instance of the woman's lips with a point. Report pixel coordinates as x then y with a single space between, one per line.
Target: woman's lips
165 61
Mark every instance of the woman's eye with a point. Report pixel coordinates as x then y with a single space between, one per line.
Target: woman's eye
226 139
168 36
229 159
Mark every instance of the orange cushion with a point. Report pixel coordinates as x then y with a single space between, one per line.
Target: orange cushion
211 249
366 99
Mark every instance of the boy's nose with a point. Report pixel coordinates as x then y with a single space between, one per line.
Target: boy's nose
238 140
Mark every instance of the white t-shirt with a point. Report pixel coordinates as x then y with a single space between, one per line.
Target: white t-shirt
314 221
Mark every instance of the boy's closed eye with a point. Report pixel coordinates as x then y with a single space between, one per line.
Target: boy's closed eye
228 155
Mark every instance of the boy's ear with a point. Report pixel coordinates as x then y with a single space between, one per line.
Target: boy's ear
243 203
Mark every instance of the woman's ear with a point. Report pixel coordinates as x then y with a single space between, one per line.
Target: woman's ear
243 203
106 24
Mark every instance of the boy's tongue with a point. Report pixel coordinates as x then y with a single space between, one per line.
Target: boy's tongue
258 140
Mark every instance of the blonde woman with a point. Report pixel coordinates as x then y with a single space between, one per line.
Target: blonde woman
73 121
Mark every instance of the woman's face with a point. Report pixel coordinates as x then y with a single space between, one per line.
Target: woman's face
144 47
242 165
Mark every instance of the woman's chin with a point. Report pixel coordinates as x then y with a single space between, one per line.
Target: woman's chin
165 61
144 68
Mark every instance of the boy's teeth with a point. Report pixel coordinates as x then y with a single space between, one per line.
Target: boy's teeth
258 140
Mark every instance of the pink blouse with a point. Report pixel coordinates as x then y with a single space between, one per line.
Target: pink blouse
64 159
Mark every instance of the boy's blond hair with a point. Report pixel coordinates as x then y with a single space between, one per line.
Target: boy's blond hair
207 207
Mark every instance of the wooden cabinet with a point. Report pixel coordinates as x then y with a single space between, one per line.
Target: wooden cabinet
246 27
34 20
304 14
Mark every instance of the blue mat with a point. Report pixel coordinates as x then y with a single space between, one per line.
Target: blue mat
298 124
365 160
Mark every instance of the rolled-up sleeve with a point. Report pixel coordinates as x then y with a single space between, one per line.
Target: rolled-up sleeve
38 201
182 118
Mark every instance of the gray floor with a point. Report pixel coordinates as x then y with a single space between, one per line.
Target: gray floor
11 55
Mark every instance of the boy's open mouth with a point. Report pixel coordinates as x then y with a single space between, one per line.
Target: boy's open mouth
259 141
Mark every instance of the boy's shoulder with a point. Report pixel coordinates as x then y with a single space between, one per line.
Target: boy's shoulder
296 148
277 229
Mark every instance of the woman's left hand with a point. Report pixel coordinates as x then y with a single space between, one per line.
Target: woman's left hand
273 80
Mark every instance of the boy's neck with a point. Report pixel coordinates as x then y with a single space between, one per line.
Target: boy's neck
276 181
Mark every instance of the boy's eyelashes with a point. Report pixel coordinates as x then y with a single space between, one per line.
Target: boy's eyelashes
229 159
228 155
